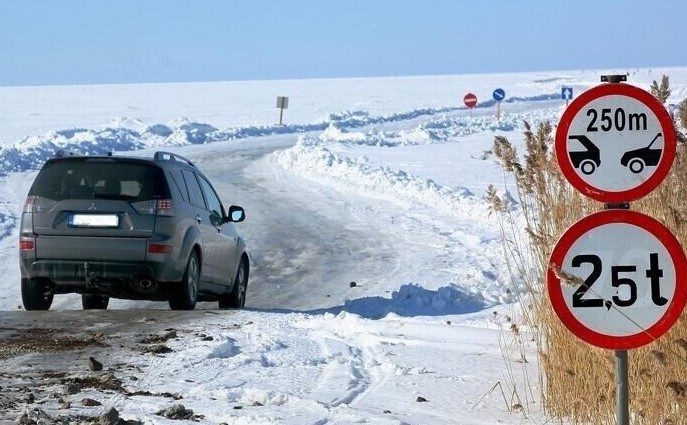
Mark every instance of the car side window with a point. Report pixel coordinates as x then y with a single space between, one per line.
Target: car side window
179 183
214 203
194 190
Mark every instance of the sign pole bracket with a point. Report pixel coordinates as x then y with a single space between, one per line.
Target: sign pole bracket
613 78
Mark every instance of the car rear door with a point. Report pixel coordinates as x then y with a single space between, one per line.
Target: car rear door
94 209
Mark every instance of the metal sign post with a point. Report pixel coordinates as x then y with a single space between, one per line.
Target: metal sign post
622 384
622 391
498 95
626 272
282 103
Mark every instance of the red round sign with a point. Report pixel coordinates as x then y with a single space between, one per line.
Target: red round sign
470 100
615 143
617 279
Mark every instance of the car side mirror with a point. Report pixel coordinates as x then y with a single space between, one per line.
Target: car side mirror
236 214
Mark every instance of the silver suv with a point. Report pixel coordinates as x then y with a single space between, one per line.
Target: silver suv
129 228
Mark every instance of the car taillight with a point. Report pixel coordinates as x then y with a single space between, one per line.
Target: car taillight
154 207
27 244
30 204
164 207
158 248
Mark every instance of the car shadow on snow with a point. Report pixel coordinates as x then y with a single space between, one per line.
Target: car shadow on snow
412 300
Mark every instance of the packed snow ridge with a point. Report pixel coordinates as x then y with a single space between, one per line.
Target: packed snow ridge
131 134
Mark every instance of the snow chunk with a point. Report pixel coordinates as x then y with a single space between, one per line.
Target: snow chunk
414 300
225 350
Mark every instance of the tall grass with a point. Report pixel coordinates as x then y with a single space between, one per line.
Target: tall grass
578 379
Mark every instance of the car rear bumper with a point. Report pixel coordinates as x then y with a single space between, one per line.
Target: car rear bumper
135 280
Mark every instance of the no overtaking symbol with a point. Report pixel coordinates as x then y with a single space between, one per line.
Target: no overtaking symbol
615 143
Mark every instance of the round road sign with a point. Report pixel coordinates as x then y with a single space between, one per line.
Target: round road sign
498 95
470 100
615 143
618 279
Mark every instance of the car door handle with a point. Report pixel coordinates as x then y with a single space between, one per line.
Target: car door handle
198 219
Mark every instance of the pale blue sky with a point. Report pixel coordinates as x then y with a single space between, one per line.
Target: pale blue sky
92 41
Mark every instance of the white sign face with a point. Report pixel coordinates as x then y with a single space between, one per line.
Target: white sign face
631 279
615 143
618 279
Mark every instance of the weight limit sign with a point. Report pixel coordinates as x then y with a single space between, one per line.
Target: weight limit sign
618 279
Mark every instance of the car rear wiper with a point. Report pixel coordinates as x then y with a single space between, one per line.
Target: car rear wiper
113 196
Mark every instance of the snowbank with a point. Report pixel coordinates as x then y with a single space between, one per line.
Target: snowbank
312 159
128 134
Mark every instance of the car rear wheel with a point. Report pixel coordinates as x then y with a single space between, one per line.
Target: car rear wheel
237 297
187 293
36 294
94 302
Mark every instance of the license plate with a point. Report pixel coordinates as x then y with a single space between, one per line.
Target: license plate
94 220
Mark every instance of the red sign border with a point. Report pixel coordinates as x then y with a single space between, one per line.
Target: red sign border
466 102
590 222
667 129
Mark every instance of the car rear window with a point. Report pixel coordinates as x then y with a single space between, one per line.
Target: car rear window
100 179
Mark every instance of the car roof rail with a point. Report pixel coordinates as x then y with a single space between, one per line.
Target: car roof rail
169 156
63 153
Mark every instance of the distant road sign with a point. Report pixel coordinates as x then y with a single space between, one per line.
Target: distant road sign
567 93
470 100
499 95
283 102
615 143
618 279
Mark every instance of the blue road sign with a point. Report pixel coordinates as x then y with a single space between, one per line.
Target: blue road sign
566 93
499 95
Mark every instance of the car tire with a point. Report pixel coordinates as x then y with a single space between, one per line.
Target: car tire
36 294
94 302
237 297
186 294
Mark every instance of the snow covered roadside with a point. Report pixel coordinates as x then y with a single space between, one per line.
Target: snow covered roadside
274 367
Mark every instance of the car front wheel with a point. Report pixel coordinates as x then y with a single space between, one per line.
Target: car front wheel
237 297
186 294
